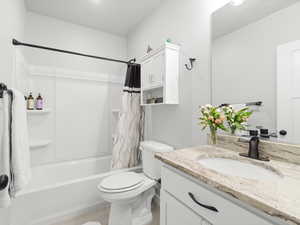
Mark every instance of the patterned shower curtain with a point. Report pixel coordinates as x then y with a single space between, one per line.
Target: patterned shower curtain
130 126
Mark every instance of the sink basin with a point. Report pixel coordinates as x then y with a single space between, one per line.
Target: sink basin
237 168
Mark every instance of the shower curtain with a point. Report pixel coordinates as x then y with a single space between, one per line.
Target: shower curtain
130 126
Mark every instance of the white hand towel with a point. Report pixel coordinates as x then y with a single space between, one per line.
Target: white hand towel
20 144
4 148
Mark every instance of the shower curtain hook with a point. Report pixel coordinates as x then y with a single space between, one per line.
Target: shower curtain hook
192 61
132 61
3 88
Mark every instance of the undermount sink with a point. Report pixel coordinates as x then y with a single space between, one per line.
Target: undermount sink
238 168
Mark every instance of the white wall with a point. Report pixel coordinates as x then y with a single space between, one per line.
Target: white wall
77 89
188 24
43 30
12 19
244 62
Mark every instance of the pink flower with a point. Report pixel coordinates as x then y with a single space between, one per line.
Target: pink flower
222 118
218 121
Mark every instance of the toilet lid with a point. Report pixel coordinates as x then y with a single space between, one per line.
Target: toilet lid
122 182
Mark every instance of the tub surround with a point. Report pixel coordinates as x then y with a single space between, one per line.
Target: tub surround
279 199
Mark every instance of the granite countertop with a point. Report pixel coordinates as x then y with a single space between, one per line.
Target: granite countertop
279 199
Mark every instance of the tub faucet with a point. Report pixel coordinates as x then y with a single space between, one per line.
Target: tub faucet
253 151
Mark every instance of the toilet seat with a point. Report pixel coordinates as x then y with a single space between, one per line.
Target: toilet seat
126 193
121 182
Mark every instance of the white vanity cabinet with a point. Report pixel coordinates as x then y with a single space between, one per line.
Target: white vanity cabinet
185 201
159 76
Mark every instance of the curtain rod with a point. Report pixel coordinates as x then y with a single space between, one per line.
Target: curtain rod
258 103
16 42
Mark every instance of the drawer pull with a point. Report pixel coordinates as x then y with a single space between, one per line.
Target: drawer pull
202 205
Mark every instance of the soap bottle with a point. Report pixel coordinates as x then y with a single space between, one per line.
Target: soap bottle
39 102
30 102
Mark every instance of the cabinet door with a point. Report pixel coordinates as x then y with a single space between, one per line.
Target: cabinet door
174 212
153 71
157 70
146 74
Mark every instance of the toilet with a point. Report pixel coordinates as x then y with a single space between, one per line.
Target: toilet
131 193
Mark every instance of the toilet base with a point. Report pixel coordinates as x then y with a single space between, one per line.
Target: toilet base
136 211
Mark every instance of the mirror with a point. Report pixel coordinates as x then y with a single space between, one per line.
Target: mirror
256 59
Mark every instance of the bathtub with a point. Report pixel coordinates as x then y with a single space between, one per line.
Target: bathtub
59 191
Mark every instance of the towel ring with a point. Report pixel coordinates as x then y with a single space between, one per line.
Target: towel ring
192 61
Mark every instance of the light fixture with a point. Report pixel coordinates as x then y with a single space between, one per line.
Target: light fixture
95 1
237 2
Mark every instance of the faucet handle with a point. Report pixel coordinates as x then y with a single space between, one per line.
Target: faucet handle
244 139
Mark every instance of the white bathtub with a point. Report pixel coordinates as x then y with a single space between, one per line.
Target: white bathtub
59 190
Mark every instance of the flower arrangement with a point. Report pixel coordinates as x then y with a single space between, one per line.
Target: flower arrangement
212 117
236 120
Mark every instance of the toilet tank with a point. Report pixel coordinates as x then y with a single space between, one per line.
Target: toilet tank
151 165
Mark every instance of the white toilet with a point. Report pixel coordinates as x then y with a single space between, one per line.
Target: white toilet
130 193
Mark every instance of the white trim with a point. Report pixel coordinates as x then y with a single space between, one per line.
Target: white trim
166 45
74 74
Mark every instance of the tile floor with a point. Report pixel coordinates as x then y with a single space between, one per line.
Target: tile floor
102 217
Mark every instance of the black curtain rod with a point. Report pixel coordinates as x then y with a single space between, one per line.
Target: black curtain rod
259 103
16 42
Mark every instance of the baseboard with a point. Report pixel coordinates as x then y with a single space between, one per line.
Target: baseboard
70 214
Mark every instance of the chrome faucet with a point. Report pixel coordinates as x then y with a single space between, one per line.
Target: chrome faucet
253 151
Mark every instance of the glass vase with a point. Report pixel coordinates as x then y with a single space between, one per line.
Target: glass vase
213 136
233 130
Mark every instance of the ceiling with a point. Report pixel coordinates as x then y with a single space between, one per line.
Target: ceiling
113 16
231 18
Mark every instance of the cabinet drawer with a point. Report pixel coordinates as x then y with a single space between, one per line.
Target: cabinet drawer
228 213
176 213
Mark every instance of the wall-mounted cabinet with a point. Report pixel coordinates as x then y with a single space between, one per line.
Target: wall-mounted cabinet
159 76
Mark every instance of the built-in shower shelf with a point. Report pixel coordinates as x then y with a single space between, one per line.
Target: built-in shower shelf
151 104
39 112
36 144
115 110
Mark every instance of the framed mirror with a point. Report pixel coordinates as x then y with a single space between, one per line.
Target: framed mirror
256 63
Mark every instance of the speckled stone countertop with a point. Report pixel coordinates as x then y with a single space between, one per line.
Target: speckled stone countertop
279 199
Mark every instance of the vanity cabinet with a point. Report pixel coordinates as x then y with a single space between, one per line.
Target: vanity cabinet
186 201
159 76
